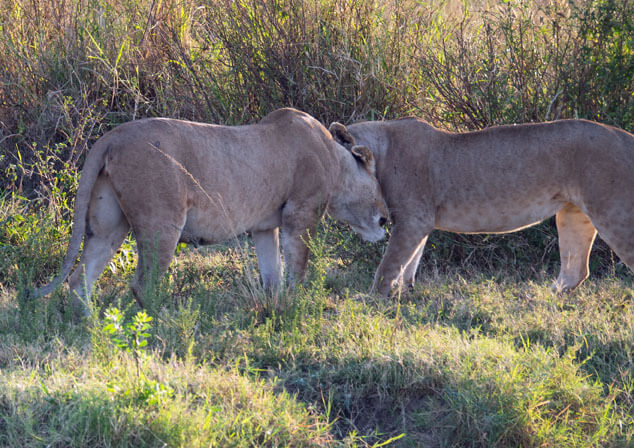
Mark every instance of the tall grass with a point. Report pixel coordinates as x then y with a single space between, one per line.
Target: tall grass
521 61
73 69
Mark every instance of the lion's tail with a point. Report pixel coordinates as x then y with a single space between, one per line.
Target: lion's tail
92 167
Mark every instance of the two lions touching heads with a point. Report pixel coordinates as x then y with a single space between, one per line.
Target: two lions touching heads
172 181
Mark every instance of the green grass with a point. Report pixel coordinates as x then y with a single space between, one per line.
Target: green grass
470 357
76 401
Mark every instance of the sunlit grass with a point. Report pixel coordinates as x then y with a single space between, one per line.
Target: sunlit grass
466 358
79 401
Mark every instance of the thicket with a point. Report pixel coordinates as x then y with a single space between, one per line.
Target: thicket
73 69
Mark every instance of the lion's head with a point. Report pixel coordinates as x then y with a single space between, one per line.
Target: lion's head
358 200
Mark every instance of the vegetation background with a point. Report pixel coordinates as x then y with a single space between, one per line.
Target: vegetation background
480 353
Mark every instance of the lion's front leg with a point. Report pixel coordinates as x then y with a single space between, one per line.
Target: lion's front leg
298 224
295 256
409 274
403 252
267 248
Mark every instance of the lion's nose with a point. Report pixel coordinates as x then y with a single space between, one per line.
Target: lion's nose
382 221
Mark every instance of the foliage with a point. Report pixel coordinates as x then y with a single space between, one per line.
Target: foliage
74 70
131 337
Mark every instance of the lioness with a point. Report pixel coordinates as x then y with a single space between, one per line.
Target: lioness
174 181
499 180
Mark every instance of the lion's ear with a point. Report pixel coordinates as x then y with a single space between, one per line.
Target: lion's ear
341 135
364 155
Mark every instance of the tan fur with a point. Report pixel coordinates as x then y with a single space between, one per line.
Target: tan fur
170 180
498 180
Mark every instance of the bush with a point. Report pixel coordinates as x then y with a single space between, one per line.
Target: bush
74 70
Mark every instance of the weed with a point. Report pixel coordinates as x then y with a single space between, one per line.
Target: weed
131 337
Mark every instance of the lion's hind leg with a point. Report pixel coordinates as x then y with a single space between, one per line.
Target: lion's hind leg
615 225
106 229
576 235
155 246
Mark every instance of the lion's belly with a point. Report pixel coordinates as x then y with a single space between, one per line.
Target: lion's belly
214 226
199 230
499 217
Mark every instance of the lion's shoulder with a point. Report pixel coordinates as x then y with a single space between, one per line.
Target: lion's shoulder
285 115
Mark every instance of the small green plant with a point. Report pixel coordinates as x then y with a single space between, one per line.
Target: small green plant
132 337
